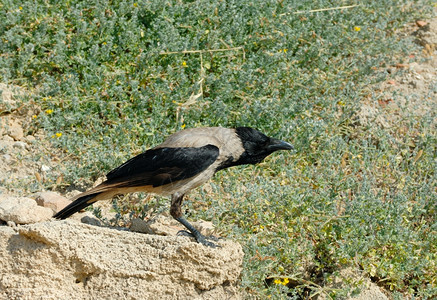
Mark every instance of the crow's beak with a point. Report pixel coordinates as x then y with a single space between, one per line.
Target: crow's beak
276 145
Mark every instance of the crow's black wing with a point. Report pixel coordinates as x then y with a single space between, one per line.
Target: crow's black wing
161 166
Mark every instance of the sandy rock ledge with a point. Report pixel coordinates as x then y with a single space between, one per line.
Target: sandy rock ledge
70 260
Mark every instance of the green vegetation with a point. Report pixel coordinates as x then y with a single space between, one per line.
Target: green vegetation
109 86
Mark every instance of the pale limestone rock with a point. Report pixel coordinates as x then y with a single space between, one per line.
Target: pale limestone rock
70 260
15 130
22 210
19 145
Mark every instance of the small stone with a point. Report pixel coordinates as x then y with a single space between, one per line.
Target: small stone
90 220
139 225
19 145
45 168
85 217
22 210
51 200
30 138
421 23
15 131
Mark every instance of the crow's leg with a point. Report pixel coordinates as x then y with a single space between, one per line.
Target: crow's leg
176 212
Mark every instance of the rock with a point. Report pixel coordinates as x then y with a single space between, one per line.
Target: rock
45 168
70 260
30 139
20 145
51 200
86 217
15 130
139 225
421 23
22 210
12 128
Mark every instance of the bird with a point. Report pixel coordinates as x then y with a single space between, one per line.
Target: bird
184 161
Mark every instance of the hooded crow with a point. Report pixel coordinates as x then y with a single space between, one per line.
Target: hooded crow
184 161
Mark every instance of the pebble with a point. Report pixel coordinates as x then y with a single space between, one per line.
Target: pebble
20 145
30 138
45 168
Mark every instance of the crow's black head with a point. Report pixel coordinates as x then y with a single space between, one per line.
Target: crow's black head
257 145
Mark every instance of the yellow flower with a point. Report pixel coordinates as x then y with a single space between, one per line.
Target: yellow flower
20 8
285 50
357 28
285 281
183 126
58 134
49 111
184 63
135 4
34 116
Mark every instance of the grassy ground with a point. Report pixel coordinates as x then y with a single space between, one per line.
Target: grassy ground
113 79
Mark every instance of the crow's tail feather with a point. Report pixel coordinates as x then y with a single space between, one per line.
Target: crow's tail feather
75 206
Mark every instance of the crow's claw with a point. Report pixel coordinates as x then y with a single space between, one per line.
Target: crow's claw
201 238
